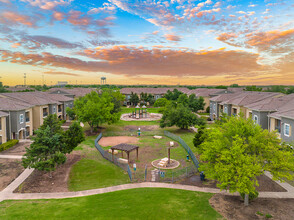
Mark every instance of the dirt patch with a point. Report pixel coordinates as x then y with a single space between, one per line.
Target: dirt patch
142 128
18 149
232 207
95 132
111 141
265 183
40 182
9 170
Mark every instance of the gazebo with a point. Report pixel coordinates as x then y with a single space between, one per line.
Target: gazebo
125 148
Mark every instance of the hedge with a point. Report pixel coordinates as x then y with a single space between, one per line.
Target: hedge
8 145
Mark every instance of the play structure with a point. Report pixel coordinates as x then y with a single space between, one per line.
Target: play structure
140 112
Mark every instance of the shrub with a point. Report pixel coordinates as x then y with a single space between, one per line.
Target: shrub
207 109
62 122
8 145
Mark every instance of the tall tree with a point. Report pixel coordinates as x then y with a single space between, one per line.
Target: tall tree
134 99
174 95
253 88
51 144
196 104
96 109
179 116
237 150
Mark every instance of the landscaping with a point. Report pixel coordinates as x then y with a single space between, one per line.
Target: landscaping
144 203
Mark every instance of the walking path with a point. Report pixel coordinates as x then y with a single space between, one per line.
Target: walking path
2 156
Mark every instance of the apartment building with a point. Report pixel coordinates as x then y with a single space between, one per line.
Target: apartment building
72 93
18 121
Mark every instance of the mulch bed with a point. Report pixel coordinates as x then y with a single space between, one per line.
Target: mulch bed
232 207
265 183
9 171
40 182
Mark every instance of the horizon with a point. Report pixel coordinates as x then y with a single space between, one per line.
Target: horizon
178 42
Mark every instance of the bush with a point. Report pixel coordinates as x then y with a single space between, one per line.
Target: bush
252 195
208 109
8 145
62 122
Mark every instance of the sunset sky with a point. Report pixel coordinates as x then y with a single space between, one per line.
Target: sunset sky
147 42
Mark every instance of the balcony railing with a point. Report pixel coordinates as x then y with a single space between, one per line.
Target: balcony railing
45 114
278 129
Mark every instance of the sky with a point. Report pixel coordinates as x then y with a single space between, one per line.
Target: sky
173 42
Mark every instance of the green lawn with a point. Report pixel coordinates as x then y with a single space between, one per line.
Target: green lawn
95 172
144 203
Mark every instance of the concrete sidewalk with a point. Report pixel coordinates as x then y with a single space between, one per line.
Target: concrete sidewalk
3 156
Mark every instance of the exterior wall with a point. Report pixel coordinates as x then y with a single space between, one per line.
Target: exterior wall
207 102
38 116
262 118
65 105
16 125
227 109
235 107
213 110
29 124
53 109
291 135
247 113
243 111
3 131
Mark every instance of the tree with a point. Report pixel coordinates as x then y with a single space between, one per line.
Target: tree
237 150
72 137
144 97
290 90
116 98
2 88
196 104
253 88
134 99
200 137
174 95
221 87
150 99
51 144
179 116
71 113
96 109
234 85
161 102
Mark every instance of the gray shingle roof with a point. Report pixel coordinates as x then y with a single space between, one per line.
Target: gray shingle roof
3 114
77 92
7 104
205 92
32 98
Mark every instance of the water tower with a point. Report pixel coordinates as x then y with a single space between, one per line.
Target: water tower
103 80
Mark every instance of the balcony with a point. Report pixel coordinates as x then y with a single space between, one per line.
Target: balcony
45 114
278 128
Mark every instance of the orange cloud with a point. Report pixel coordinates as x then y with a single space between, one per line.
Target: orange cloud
228 38
268 38
61 73
58 16
136 61
171 37
13 18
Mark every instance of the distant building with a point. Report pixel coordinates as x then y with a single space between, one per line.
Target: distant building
62 83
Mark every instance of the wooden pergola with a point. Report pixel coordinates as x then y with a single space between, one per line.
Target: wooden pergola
125 148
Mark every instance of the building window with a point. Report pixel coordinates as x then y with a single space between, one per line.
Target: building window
21 118
255 118
226 110
59 108
0 125
27 116
54 109
287 130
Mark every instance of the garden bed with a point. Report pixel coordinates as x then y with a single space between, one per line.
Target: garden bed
232 207
9 171
40 182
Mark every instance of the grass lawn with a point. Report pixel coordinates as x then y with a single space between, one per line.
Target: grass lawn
144 203
94 171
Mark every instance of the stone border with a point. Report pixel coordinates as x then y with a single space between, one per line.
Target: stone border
165 168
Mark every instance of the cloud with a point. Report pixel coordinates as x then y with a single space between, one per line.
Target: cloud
61 73
228 38
15 19
106 8
270 39
171 37
59 16
47 4
136 61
